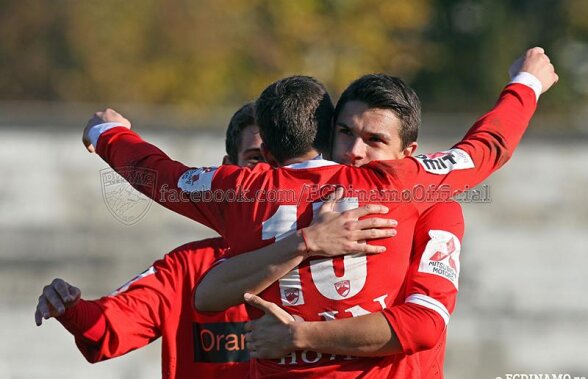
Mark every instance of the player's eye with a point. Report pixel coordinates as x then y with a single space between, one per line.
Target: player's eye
375 139
345 131
253 160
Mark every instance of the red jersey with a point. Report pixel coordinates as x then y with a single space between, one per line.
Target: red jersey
431 284
267 204
158 303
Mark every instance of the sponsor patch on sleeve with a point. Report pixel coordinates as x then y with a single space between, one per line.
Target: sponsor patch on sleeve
445 161
441 256
197 179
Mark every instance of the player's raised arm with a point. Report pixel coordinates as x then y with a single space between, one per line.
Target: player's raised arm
490 143
331 234
148 169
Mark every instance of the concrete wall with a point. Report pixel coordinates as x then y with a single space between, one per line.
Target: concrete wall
522 309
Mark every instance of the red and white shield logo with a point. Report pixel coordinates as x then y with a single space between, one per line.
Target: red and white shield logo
343 287
439 256
292 295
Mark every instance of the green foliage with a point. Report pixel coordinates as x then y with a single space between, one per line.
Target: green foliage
207 53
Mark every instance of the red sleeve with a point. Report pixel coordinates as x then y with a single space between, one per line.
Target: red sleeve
85 321
135 312
486 147
432 282
177 187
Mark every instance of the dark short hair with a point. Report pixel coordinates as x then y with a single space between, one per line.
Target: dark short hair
243 118
386 92
294 115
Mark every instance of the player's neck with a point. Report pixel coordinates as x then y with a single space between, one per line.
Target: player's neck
311 154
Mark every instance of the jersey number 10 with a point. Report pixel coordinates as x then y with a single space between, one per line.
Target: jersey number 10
282 224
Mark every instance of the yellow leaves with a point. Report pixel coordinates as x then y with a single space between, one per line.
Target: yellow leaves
578 14
212 52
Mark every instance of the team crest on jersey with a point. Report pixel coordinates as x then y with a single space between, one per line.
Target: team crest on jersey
125 203
445 161
343 287
292 295
441 256
197 180
150 271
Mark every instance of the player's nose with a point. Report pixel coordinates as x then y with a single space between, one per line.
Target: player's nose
356 151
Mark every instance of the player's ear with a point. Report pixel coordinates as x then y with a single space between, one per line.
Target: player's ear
227 160
268 156
410 149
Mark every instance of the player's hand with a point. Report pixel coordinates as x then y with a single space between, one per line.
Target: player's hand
334 233
55 299
537 63
268 337
107 115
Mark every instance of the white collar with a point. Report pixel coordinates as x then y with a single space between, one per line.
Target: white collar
317 161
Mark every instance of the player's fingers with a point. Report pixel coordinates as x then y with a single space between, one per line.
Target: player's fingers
376 222
535 50
370 234
62 289
38 317
258 302
90 148
43 307
364 248
54 299
329 205
74 292
366 210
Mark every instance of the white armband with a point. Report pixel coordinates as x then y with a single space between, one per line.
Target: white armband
529 80
97 130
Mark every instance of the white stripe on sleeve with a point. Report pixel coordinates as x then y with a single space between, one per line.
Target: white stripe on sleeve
429 302
96 130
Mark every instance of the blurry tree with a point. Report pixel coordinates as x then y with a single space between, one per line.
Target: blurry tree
212 53
476 40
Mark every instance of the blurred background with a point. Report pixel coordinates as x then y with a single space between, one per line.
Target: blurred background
179 69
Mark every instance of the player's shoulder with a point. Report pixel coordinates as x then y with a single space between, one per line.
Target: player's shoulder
443 215
396 168
451 207
207 250
201 178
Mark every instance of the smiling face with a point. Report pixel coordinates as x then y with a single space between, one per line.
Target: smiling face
364 134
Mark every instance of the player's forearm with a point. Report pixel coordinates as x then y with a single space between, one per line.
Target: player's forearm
144 166
367 336
225 284
495 136
85 321
150 171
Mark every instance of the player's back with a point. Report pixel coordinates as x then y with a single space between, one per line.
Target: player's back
285 199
